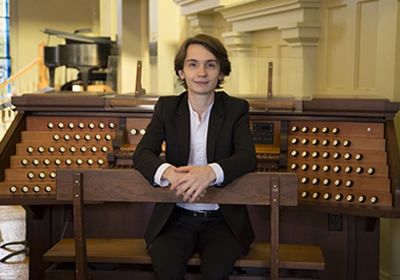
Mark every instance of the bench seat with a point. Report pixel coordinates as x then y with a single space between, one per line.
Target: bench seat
133 251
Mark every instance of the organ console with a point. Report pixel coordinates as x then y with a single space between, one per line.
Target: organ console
344 151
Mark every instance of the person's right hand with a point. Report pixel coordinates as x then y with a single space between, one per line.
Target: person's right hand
171 175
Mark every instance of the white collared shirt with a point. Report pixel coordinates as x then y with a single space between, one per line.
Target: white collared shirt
197 156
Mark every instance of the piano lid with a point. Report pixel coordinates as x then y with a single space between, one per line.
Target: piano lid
76 38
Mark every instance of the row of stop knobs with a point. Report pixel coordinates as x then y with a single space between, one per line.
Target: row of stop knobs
63 149
67 161
327 182
77 137
339 197
336 169
315 129
35 189
80 125
326 155
325 142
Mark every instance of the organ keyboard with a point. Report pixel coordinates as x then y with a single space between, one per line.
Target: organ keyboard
344 150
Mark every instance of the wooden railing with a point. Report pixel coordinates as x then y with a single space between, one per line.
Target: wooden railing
115 185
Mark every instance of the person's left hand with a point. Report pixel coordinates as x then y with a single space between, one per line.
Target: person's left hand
195 182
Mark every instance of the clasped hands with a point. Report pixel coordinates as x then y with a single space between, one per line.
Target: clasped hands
189 181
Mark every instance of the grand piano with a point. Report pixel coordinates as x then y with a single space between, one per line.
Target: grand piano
344 151
85 53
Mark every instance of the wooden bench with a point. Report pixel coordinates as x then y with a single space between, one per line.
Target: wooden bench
113 185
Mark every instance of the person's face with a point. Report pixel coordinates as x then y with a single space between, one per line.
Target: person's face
201 70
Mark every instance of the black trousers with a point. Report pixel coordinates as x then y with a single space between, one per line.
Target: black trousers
183 236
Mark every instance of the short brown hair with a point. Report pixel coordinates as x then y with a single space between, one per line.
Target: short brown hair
213 45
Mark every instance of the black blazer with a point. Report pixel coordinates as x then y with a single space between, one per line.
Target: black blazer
229 143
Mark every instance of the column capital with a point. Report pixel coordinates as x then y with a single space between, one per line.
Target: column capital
301 34
201 23
190 7
238 41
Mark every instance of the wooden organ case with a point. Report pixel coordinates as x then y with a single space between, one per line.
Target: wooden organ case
344 151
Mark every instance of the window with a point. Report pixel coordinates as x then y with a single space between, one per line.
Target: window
5 59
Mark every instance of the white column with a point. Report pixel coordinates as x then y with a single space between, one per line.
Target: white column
165 21
239 45
303 39
108 19
132 40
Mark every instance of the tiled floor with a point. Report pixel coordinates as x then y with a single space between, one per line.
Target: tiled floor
12 227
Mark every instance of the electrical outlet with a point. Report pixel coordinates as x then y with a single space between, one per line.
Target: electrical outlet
335 222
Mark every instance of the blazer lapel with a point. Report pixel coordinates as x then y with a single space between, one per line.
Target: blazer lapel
214 126
182 124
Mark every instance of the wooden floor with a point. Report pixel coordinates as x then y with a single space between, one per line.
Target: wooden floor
12 228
